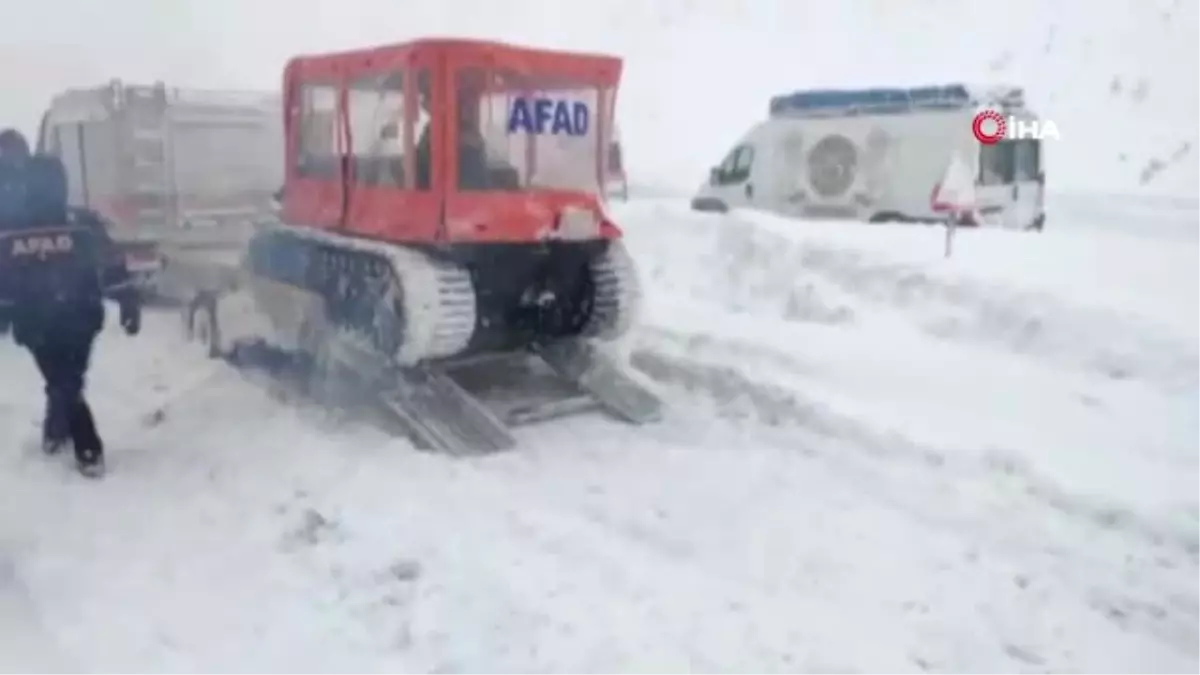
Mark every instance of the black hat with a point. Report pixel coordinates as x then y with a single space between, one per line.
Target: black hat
13 144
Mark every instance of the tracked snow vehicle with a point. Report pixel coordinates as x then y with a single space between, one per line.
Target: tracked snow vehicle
443 208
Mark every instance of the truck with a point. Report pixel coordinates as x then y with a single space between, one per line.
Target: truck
172 171
886 155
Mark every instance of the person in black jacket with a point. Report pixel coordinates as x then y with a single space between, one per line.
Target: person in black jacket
56 266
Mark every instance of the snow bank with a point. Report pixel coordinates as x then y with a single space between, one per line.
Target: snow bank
1111 300
1072 353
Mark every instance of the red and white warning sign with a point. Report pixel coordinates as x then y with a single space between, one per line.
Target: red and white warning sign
955 193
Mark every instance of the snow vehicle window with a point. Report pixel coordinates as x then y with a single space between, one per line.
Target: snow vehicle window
375 107
736 167
317 156
423 144
996 163
1028 160
524 131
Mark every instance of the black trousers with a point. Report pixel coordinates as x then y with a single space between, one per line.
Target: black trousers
63 359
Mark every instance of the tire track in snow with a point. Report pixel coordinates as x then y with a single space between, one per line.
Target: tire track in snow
549 554
619 602
648 588
708 370
531 535
507 561
786 410
1146 588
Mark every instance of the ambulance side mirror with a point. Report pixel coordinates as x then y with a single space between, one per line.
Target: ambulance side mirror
714 175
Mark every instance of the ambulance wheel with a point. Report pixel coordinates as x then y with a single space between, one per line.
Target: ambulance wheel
709 205
202 326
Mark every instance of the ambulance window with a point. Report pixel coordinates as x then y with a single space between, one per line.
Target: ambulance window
736 167
375 108
316 155
1028 160
996 163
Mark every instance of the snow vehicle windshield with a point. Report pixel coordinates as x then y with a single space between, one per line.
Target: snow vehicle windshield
518 131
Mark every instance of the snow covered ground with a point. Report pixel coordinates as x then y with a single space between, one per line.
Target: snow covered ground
875 459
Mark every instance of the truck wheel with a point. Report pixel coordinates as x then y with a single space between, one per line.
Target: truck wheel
709 205
202 326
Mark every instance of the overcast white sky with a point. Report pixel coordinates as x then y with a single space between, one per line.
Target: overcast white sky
698 72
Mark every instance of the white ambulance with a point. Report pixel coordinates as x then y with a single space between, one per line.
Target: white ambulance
886 155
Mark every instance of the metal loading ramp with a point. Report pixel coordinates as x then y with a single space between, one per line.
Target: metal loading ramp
470 406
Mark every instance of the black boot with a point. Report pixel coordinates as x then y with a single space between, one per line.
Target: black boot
90 463
89 449
56 431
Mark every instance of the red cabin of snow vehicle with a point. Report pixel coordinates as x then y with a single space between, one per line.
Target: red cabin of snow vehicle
443 208
450 142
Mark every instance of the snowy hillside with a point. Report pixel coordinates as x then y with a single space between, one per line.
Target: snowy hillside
875 459
1119 78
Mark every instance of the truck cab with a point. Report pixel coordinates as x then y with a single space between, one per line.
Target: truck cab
731 183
